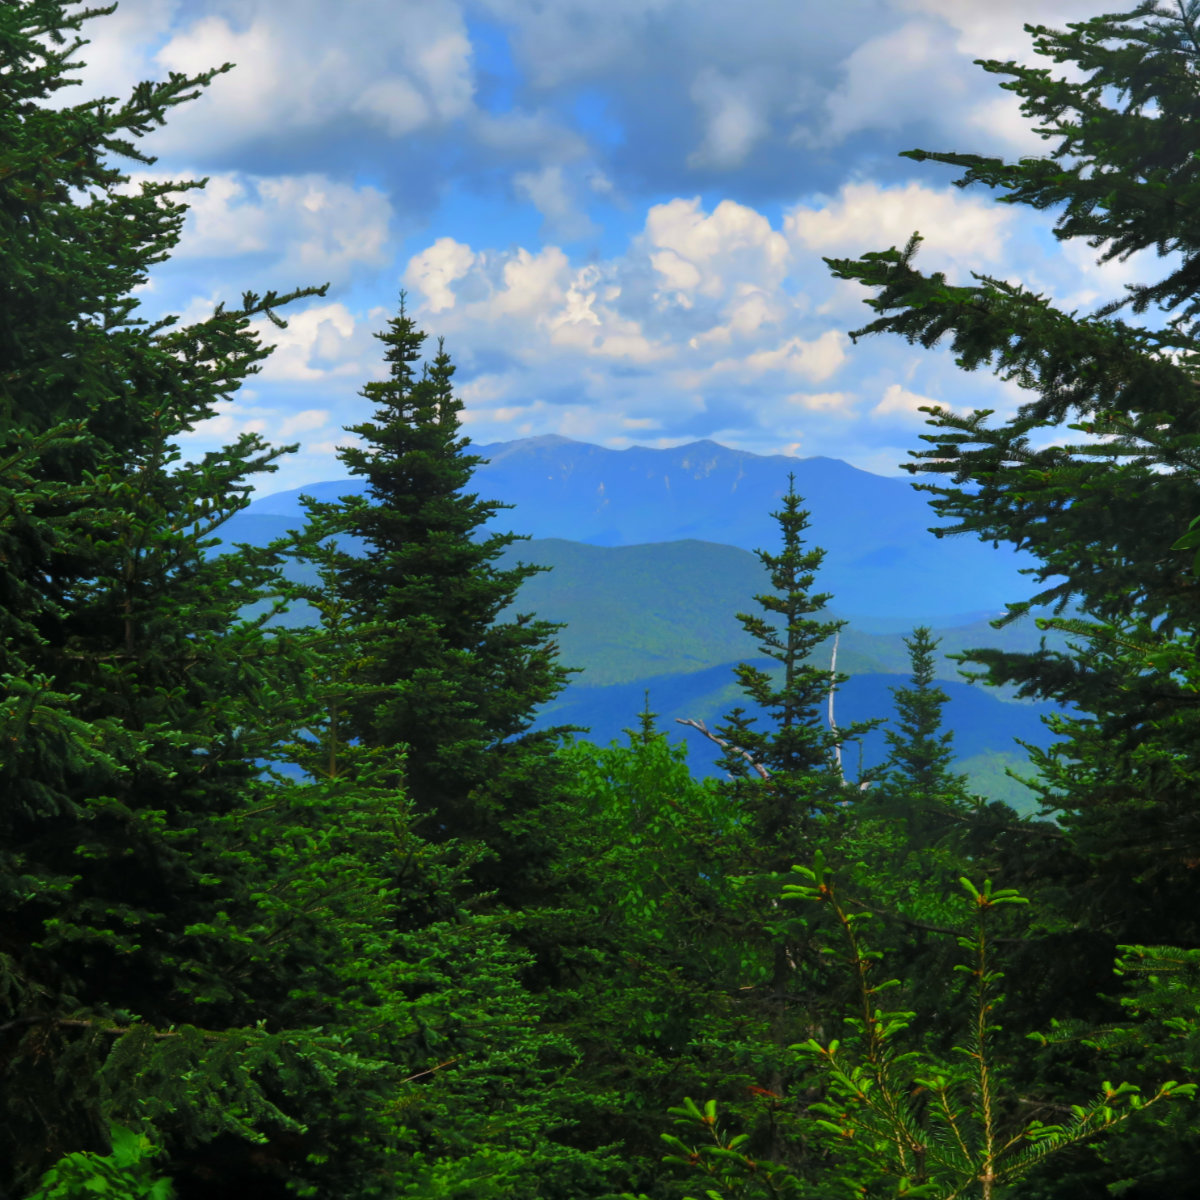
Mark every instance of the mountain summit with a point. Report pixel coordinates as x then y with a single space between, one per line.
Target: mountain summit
881 560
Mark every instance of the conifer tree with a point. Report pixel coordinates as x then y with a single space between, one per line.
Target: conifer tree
456 686
127 682
789 793
193 949
1103 515
1106 512
799 752
918 780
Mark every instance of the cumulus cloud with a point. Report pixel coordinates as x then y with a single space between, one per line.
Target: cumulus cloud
435 269
995 29
899 401
409 71
962 232
697 252
304 422
367 145
318 226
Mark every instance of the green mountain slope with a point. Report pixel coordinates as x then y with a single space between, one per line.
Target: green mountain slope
663 616
639 611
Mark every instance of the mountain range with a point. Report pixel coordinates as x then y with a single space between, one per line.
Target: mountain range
880 560
651 557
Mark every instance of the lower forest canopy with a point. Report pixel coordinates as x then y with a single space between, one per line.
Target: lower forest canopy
318 910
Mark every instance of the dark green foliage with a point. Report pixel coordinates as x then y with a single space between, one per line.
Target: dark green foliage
799 776
1103 517
897 1121
919 763
441 676
278 980
1107 519
918 786
311 910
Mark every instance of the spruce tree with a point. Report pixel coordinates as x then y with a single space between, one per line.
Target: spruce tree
130 689
918 781
799 752
1108 513
446 678
1103 517
790 797
193 948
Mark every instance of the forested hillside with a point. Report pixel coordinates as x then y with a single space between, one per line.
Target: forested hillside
661 619
318 911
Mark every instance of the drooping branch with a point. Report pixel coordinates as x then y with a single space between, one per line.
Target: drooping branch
712 737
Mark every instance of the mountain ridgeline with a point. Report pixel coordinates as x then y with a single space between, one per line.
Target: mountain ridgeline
881 562
651 559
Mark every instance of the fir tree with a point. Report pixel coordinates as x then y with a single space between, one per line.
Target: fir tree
128 680
789 793
447 679
1102 516
801 754
1107 512
918 780
231 963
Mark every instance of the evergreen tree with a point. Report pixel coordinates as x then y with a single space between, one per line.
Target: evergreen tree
918 782
221 959
790 796
800 754
449 680
130 689
1102 516
1107 518
655 947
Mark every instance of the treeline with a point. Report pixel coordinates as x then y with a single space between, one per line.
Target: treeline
313 912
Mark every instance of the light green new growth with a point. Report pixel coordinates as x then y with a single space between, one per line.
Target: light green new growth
897 1122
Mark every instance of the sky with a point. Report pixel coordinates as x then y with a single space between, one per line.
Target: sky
613 211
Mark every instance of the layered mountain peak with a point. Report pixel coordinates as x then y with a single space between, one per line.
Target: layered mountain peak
881 561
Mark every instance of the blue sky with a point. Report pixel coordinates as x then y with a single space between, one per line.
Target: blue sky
614 211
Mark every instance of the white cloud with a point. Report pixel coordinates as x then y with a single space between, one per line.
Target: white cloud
695 252
533 283
322 228
747 313
994 30
898 401
396 105
434 270
321 331
959 231
890 80
816 360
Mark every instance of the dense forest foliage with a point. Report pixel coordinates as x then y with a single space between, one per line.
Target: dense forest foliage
310 911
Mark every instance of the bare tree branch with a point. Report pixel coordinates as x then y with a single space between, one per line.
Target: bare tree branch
837 748
712 737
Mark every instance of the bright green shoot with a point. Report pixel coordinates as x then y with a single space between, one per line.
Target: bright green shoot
895 1121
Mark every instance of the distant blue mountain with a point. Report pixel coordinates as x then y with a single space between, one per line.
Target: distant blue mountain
881 562
984 725
650 564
